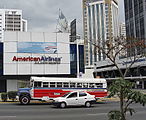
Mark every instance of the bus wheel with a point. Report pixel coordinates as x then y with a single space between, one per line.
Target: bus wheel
87 104
24 100
62 105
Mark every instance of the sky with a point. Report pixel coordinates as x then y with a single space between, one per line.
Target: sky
42 15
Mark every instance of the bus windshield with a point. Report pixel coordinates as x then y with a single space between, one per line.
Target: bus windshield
31 84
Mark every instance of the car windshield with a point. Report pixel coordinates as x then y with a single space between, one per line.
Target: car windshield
66 94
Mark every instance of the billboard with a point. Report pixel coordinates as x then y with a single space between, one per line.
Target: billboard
31 53
37 47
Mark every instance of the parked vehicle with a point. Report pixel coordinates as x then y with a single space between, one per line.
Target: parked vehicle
75 99
44 88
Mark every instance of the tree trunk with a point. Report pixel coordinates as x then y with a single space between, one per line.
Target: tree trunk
122 106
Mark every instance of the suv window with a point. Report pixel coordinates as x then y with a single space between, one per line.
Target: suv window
72 95
81 94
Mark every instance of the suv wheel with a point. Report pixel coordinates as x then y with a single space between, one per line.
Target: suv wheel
62 105
87 104
24 100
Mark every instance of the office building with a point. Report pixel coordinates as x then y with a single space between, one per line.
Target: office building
122 30
100 23
11 20
135 19
26 54
73 31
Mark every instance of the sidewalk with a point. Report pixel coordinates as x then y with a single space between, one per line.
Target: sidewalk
112 99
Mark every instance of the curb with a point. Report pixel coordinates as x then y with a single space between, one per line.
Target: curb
11 102
100 100
7 102
108 99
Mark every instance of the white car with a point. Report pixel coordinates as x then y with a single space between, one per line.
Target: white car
74 99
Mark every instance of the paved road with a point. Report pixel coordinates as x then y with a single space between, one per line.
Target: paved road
48 112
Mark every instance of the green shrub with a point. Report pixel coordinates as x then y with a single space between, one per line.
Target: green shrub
4 97
12 95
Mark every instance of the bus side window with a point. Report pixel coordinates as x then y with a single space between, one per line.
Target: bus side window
85 85
65 84
79 85
45 84
52 84
91 85
99 85
72 85
37 84
59 84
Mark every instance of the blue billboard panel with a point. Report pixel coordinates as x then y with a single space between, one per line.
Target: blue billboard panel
37 47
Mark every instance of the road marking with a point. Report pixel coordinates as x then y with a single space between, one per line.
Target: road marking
97 114
7 116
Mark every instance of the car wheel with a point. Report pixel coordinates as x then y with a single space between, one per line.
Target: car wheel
62 105
87 104
24 100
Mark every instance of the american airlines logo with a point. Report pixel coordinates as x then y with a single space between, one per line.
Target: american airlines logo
39 60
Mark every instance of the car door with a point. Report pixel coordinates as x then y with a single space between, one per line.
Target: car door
72 99
82 98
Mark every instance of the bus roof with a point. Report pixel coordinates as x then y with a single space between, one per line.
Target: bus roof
77 80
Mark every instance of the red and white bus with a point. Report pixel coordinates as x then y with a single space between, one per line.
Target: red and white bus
43 88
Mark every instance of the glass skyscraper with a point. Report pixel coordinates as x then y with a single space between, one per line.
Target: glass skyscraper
135 19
